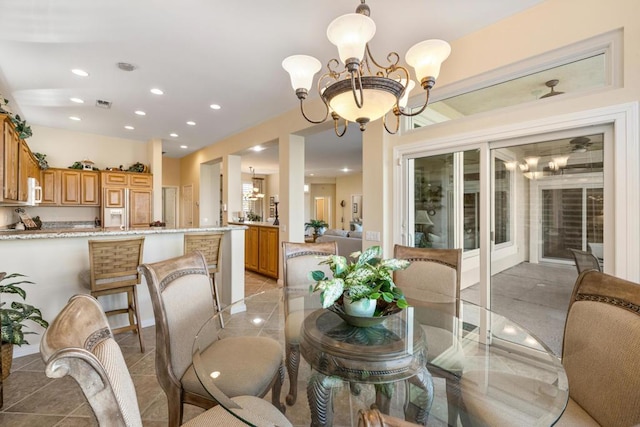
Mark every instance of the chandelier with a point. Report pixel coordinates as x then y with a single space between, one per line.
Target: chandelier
256 191
364 90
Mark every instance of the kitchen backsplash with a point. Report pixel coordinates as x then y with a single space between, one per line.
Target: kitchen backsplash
50 214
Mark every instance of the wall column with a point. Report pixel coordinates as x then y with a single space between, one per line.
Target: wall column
154 154
232 186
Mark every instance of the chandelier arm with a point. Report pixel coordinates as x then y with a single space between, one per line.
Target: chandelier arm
354 90
388 69
426 102
335 127
384 122
314 121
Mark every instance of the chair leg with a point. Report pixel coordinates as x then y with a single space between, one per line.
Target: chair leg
216 297
293 361
454 398
277 388
137 312
174 407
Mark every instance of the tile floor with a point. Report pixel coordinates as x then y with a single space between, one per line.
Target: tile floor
534 295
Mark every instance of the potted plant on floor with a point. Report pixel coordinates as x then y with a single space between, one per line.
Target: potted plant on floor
13 319
318 225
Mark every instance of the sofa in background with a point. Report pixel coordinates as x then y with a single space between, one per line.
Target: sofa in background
348 241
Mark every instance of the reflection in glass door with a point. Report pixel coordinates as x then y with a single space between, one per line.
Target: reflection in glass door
547 197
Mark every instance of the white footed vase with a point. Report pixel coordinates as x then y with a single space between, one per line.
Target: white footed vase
364 307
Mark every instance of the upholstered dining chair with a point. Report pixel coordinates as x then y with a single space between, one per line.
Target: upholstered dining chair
433 280
299 259
80 343
600 355
182 297
585 260
113 269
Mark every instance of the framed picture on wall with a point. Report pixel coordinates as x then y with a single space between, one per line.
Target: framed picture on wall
272 212
355 208
271 201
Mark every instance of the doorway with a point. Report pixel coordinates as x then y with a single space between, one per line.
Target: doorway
170 206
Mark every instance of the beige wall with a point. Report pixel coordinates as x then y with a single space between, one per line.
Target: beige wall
346 186
170 172
64 147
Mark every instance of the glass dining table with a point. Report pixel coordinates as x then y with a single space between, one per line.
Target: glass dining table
421 364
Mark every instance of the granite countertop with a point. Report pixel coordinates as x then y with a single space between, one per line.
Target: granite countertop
56 233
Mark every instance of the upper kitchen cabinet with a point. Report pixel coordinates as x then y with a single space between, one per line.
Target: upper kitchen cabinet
70 187
10 150
17 164
27 168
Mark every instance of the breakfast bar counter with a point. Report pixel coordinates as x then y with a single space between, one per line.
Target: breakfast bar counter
54 258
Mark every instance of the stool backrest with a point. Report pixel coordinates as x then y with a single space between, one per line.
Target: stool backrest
207 243
114 263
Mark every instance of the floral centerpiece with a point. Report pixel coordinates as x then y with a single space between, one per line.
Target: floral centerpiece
369 279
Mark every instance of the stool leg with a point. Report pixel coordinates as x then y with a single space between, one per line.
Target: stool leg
131 304
137 311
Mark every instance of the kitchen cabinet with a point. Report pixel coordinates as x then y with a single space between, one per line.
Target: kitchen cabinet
10 150
50 183
261 247
77 187
251 249
27 168
137 187
140 208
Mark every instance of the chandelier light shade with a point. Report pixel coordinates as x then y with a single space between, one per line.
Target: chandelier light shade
363 90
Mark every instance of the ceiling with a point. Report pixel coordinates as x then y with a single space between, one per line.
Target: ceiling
199 53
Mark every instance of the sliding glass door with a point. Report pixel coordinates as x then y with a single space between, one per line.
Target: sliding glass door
543 197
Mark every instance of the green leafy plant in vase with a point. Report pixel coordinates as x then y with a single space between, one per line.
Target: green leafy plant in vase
368 281
317 225
13 318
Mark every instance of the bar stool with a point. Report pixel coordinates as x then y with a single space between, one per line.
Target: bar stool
209 244
113 270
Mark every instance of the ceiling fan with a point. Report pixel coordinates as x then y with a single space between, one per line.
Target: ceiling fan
552 84
580 144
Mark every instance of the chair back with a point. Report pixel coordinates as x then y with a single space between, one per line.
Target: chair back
79 343
585 260
601 348
114 263
207 243
432 279
182 298
299 259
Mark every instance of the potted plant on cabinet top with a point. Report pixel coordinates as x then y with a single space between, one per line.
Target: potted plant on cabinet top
13 318
318 225
365 286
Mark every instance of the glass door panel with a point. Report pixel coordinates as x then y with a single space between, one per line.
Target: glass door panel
433 201
547 197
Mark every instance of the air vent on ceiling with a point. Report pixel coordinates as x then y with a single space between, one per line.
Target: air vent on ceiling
100 103
125 66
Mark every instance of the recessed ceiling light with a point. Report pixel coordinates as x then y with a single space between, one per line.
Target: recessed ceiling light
74 118
311 174
258 148
79 72
175 135
190 123
141 113
129 127
76 100
183 146
157 91
215 106
345 169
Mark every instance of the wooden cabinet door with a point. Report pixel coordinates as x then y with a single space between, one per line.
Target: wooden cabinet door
50 182
269 251
27 168
140 180
251 248
113 198
11 154
114 179
70 187
90 184
140 208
